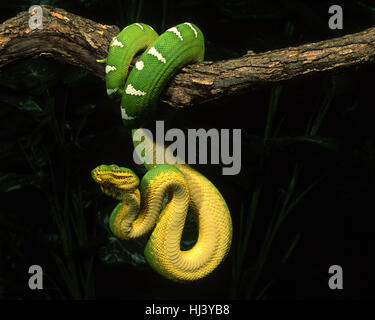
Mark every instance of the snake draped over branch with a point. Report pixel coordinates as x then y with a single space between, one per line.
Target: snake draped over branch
141 207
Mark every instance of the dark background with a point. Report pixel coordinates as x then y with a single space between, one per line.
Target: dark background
302 202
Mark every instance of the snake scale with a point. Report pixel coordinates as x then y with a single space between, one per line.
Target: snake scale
141 207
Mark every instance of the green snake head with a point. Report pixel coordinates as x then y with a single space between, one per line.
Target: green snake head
115 181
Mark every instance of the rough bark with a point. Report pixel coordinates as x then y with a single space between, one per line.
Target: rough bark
80 41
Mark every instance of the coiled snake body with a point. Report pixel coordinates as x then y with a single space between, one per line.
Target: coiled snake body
141 203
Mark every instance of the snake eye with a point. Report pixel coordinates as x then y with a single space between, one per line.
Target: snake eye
115 167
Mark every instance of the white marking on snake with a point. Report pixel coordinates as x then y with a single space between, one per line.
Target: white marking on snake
157 54
139 25
134 92
116 43
109 68
192 28
110 91
124 115
139 65
176 32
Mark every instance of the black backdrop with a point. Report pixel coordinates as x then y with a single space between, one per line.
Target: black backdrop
57 124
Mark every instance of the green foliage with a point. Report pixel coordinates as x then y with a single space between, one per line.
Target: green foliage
246 279
40 162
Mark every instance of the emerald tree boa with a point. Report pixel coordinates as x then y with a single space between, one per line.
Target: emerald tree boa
141 208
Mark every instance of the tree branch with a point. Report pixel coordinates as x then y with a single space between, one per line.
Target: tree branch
80 42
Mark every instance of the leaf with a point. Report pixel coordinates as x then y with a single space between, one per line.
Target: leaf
15 181
325 142
29 105
33 75
117 252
